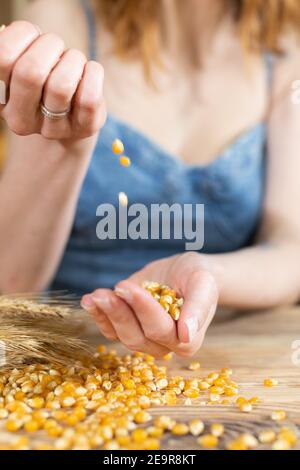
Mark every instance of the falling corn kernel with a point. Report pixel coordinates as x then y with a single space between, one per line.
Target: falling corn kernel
208 441
278 415
270 382
217 429
123 199
118 147
125 161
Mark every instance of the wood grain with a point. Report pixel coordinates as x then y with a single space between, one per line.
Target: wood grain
256 346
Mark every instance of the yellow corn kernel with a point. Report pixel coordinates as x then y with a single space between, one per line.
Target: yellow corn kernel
142 417
36 402
125 161
249 440
254 400
170 398
268 436
154 431
180 429
245 407
117 148
214 397
217 429
151 444
204 385
31 426
13 425
139 435
288 435
196 427
270 382
194 365
281 444
168 357
3 413
208 441
237 444
278 415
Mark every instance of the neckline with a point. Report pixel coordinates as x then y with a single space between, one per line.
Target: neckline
174 159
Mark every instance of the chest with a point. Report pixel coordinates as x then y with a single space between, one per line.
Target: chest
192 115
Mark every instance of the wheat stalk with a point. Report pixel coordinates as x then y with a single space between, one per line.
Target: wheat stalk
41 329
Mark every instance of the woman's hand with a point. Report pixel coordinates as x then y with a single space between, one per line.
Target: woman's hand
37 68
131 315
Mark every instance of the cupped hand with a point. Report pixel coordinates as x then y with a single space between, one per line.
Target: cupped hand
131 315
38 68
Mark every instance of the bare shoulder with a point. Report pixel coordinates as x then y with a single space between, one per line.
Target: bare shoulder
65 18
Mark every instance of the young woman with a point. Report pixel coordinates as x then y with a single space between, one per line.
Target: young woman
200 93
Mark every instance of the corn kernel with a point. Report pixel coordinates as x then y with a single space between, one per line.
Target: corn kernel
270 382
125 161
267 436
208 441
194 365
217 429
196 427
278 415
118 147
180 429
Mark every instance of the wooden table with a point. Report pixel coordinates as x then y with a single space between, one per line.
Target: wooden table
255 346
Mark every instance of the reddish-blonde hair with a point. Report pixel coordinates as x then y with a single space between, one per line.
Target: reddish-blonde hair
135 24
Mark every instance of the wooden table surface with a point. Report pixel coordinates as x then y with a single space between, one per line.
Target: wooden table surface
255 346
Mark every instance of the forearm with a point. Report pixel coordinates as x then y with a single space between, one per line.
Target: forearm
38 196
261 276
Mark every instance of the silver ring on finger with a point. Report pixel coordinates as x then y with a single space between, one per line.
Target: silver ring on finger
52 115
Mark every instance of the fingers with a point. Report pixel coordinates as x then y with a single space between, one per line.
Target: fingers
125 323
60 89
156 324
27 82
89 113
102 321
14 40
199 306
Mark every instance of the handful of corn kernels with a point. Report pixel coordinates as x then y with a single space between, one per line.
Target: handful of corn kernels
166 296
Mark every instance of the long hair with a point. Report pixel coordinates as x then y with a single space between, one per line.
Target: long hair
135 24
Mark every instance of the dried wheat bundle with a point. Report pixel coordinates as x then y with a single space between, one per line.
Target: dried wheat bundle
40 329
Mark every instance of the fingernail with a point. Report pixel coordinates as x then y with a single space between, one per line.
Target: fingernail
102 301
192 327
123 293
87 302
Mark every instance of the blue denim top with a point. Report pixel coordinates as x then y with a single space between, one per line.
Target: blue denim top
231 188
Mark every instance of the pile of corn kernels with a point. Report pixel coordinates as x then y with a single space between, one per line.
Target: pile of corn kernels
166 296
105 405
